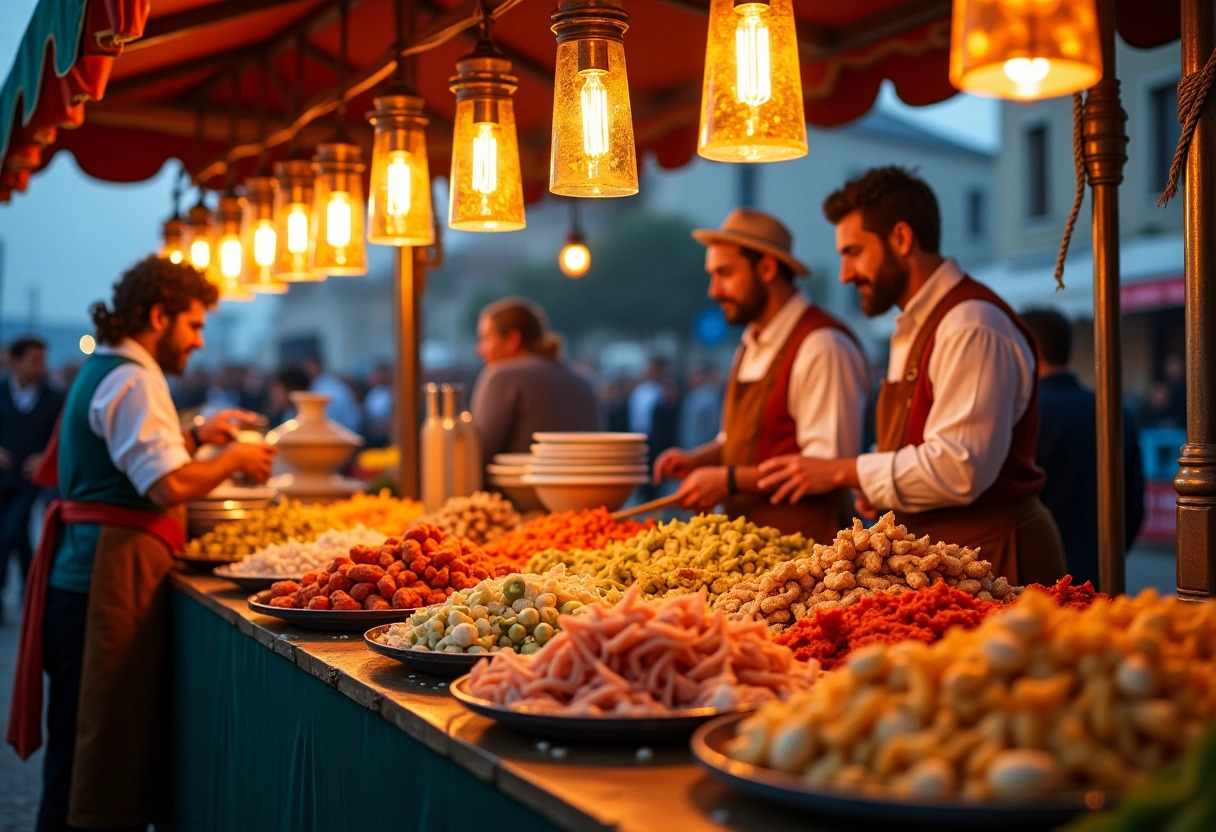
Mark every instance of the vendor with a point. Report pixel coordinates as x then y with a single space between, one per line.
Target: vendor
958 416
527 385
798 384
96 601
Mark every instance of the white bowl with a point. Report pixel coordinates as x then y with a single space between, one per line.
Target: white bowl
587 437
589 452
506 470
512 459
522 496
555 469
559 494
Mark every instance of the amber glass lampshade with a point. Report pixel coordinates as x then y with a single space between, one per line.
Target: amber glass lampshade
486 192
173 235
337 245
1024 49
751 96
293 221
399 205
227 261
259 237
593 153
198 227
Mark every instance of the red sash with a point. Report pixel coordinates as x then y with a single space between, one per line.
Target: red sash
25 713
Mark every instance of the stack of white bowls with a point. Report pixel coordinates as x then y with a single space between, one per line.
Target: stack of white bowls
573 471
506 474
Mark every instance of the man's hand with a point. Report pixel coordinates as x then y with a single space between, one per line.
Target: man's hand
673 463
6 460
252 459
31 465
222 428
703 488
794 476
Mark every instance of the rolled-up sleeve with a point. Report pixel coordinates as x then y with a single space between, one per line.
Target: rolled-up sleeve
137 418
827 396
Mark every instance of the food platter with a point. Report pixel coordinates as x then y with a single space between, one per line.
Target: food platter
709 741
331 621
206 563
447 665
254 582
674 727
594 438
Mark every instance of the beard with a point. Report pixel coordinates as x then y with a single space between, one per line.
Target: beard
170 357
886 287
744 310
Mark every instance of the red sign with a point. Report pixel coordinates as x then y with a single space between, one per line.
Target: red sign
1160 513
1155 294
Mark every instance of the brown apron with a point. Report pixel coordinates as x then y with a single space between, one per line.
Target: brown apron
121 772
1018 536
819 517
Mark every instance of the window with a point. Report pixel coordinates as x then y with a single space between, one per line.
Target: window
1164 132
1038 202
976 219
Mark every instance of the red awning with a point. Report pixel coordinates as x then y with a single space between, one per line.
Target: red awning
178 55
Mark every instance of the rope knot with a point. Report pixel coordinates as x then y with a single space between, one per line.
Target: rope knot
1192 92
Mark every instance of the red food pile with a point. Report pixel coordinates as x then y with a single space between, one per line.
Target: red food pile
422 567
1067 595
924 615
586 529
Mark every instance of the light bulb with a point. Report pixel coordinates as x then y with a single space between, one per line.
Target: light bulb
297 229
200 254
175 256
575 259
337 219
1027 74
397 203
753 64
230 257
594 98
485 159
264 242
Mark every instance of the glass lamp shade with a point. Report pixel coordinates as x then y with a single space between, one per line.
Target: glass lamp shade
399 206
259 238
227 260
1024 49
337 247
575 258
751 96
293 222
198 238
593 152
173 247
486 192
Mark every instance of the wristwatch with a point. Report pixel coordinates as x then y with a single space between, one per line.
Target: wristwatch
731 486
198 443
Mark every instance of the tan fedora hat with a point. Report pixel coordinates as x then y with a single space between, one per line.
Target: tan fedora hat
758 231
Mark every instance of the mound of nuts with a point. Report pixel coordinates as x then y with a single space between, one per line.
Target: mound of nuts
678 558
1038 700
883 558
480 517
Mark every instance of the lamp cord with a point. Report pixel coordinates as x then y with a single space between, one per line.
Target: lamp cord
1192 92
1078 160
345 6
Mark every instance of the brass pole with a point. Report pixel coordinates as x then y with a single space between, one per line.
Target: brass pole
1196 480
1105 149
407 298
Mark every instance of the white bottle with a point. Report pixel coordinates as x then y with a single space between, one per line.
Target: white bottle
455 452
472 445
434 457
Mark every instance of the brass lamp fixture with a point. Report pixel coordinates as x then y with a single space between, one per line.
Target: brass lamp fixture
293 221
173 230
399 206
198 234
228 260
486 190
1024 49
575 258
751 96
593 153
260 237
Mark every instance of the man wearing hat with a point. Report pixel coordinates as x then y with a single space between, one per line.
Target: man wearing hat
798 384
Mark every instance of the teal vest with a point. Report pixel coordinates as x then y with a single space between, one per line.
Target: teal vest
86 474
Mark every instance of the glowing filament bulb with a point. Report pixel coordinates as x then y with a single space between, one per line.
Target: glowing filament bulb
297 229
396 185
200 254
594 97
338 219
264 240
575 259
230 257
753 73
485 159
175 256
1027 74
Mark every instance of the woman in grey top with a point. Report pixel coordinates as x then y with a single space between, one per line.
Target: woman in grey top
526 385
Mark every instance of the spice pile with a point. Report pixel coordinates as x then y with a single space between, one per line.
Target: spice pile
859 563
643 658
566 530
285 521
380 511
678 558
480 517
1067 595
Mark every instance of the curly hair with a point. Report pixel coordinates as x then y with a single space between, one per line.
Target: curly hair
151 281
886 196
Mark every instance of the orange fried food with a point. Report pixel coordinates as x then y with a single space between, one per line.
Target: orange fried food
375 602
287 601
361 590
386 586
365 554
280 588
339 600
321 602
368 572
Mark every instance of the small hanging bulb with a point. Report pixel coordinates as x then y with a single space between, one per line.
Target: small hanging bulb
575 257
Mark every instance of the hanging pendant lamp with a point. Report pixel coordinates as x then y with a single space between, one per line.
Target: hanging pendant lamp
293 199
575 258
260 237
198 235
227 261
399 206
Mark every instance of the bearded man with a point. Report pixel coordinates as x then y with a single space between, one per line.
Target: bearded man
958 416
96 603
797 387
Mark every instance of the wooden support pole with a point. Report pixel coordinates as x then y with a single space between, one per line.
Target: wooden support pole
410 274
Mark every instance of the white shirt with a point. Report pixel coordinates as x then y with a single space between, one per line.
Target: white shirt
133 411
25 398
829 380
982 372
